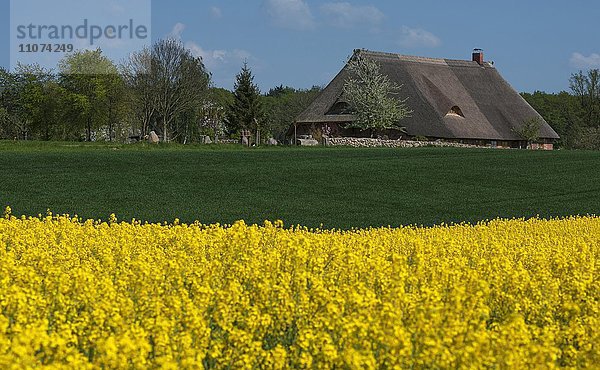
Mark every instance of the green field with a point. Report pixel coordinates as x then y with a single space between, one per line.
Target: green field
336 187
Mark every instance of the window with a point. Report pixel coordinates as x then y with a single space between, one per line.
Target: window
456 111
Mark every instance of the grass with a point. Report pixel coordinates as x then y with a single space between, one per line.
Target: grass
336 187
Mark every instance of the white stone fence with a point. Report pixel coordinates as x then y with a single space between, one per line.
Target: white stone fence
374 143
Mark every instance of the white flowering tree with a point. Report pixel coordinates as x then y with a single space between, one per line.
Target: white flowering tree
372 97
213 119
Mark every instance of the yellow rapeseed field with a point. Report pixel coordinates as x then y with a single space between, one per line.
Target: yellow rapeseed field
502 294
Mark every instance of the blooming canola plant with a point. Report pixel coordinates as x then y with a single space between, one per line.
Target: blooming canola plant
505 293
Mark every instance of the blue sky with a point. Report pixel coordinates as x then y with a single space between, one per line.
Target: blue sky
535 44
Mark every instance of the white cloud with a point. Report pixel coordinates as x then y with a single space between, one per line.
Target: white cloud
579 60
215 12
215 58
177 30
212 59
417 37
292 14
346 15
240 54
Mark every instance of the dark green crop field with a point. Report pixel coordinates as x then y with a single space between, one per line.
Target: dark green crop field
336 187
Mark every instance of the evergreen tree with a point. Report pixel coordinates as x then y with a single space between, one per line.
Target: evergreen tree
246 112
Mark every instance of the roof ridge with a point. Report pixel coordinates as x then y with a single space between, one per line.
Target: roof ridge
411 57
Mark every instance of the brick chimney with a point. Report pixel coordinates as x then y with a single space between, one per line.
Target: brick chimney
478 56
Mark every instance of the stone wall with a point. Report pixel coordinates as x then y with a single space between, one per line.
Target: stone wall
373 143
228 141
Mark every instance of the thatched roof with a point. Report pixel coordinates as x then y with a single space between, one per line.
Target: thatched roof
491 109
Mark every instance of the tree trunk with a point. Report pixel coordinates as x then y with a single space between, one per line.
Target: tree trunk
89 130
165 129
110 123
144 132
187 132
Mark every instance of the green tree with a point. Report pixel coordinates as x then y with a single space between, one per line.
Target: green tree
574 116
371 96
221 97
75 115
92 77
283 105
246 112
116 109
5 124
11 110
530 130
40 99
563 113
10 126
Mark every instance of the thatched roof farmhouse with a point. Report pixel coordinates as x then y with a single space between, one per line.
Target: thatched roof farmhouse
464 101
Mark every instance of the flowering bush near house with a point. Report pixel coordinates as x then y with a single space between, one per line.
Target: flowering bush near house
505 293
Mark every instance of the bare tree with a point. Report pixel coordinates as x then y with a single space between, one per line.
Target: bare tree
577 83
137 74
587 88
166 81
179 80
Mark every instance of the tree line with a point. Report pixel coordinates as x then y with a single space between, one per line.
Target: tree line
573 114
163 88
